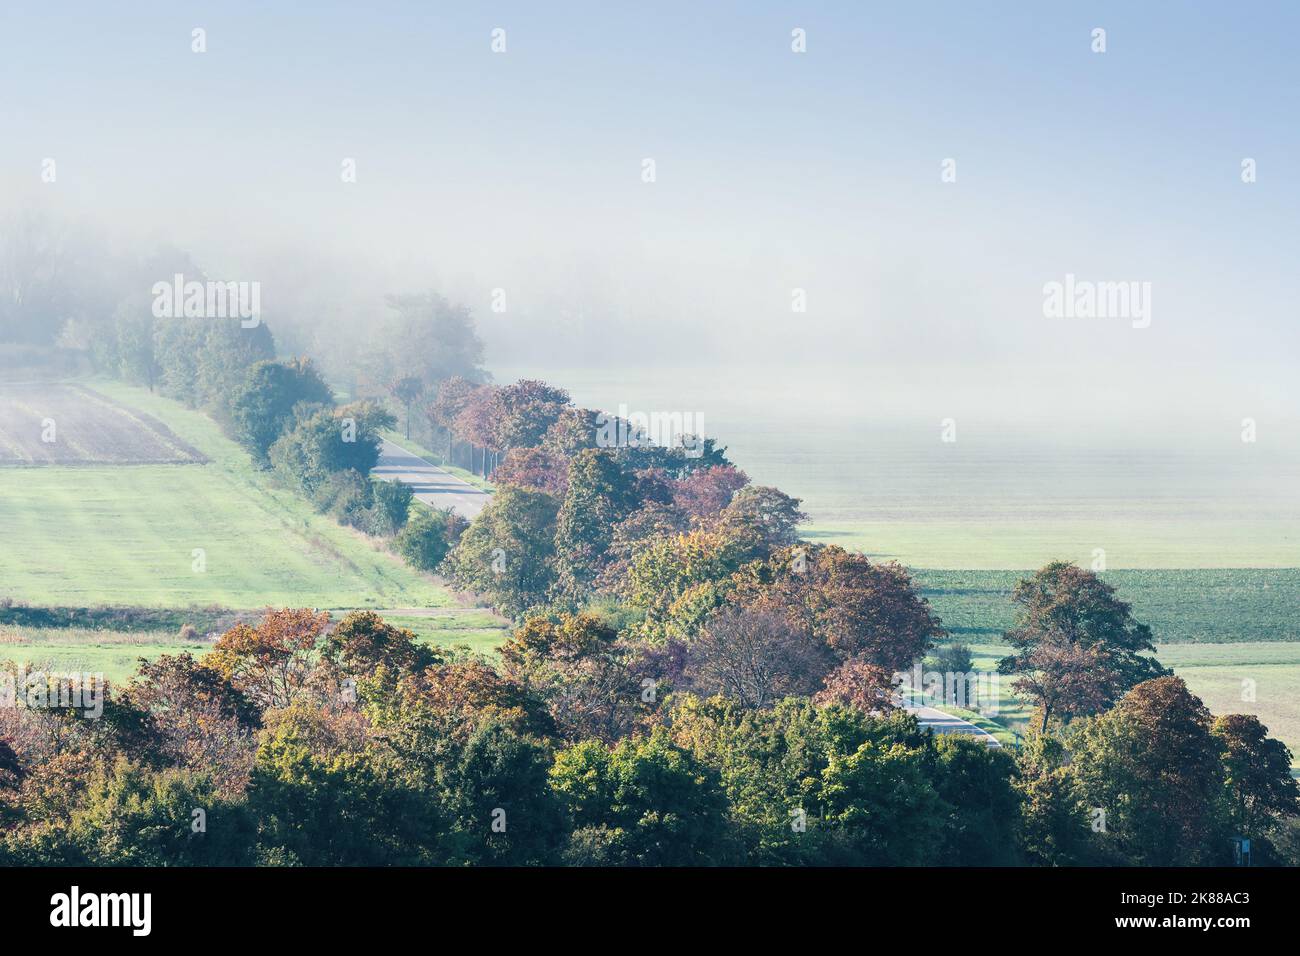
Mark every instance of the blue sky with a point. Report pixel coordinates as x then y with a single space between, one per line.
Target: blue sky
775 170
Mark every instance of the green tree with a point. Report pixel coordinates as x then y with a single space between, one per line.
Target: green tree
1153 768
390 508
1259 791
600 494
505 555
428 536
647 802
264 404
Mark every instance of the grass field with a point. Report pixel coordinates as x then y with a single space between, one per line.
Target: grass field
138 534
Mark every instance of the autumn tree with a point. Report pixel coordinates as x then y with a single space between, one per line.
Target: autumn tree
1152 766
756 655
272 661
534 469
589 679
704 493
1077 645
856 607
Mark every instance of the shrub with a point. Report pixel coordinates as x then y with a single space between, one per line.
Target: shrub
428 535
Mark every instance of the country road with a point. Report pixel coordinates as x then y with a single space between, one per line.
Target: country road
943 723
432 485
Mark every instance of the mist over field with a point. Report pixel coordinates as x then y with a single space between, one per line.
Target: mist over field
919 293
601 435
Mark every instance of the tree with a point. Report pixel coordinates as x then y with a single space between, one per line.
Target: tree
704 493
452 398
857 608
1153 768
820 786
1055 824
534 469
860 684
425 337
363 642
764 518
525 412
505 555
1077 645
263 406
271 662
321 800
599 495
407 390
132 816
573 431
202 721
135 348
588 679
647 802
325 442
677 580
951 659
391 506
756 656
477 424
1259 790
977 782
428 536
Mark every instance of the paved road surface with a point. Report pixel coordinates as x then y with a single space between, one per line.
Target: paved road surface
948 724
431 484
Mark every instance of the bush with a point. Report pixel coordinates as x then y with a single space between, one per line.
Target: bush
392 505
428 535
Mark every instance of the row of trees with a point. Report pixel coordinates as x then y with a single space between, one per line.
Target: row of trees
298 741
634 567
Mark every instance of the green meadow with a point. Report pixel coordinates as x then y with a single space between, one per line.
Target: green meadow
176 535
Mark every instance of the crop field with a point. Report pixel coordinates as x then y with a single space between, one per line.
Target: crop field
1184 605
68 424
172 535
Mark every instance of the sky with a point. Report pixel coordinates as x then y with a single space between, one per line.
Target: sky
774 171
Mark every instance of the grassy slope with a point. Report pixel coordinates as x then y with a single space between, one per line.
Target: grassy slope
124 534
